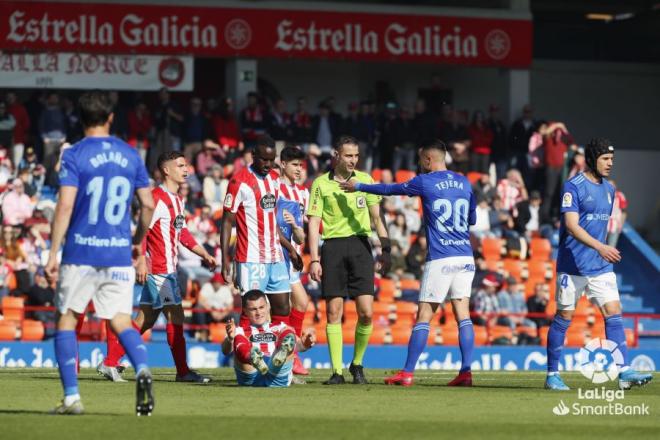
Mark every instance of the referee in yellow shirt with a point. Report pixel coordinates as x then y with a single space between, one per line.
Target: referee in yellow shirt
345 268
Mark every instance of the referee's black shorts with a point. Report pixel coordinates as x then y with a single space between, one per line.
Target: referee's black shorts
348 267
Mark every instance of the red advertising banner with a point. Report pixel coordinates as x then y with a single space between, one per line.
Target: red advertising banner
272 33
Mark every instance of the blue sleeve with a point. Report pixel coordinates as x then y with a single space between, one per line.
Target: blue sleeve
472 215
68 169
411 188
142 176
297 214
570 201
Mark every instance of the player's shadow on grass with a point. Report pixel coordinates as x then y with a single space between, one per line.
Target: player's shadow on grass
47 413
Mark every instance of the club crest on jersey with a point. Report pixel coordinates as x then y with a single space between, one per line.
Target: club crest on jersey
229 200
361 202
567 200
178 222
263 338
267 201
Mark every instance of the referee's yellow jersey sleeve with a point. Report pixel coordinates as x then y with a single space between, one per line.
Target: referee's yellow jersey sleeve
372 199
316 199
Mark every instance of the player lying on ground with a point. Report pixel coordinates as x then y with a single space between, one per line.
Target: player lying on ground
263 351
291 209
449 209
161 292
585 262
98 177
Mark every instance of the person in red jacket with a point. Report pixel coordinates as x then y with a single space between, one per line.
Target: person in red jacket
21 129
481 138
139 128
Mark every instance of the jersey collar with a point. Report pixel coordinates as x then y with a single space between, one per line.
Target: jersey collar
331 175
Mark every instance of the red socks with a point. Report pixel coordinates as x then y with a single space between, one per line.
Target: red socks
242 347
296 319
178 346
114 348
277 319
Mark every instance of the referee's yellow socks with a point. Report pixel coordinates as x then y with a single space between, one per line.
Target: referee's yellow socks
362 335
336 346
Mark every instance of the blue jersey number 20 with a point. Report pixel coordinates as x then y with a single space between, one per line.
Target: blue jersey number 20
451 217
118 192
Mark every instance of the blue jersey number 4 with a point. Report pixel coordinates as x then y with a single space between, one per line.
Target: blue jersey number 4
118 192
451 217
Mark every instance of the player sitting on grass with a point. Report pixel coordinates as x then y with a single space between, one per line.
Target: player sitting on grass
263 351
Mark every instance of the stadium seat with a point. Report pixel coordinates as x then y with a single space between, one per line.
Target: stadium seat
13 308
530 331
494 265
379 336
32 330
539 270
386 292
513 267
491 248
473 177
377 174
576 337
321 336
630 337
540 249
410 284
449 335
543 335
7 330
499 331
348 332
406 310
480 335
400 335
404 176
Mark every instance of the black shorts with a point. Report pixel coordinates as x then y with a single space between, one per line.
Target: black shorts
348 267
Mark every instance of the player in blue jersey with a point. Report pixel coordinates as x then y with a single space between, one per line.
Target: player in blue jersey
584 262
449 208
98 178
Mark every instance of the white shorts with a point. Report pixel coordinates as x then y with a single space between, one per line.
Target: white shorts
600 289
111 289
451 275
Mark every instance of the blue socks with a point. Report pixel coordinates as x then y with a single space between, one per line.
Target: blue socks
66 353
556 337
416 344
615 333
466 343
135 349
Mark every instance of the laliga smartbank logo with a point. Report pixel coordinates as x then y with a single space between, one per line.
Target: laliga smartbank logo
599 362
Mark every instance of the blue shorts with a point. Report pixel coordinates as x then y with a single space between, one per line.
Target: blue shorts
254 379
161 290
267 277
294 275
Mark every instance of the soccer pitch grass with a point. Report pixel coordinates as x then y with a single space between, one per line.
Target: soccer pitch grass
500 405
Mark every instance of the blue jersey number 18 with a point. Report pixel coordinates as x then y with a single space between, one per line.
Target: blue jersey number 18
118 192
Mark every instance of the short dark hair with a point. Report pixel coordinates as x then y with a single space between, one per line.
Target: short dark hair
292 153
95 108
252 295
345 139
168 156
434 144
264 141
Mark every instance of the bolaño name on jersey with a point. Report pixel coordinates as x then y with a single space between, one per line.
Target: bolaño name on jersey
108 157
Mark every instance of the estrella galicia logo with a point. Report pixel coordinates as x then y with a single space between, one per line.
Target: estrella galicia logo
267 201
178 222
263 338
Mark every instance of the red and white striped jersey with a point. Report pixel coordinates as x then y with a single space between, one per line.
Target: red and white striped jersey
297 193
264 336
167 229
253 198
509 194
619 206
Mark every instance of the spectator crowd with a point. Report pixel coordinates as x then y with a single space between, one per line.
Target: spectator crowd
516 172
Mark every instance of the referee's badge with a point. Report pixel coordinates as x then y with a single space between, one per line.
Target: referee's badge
361 202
